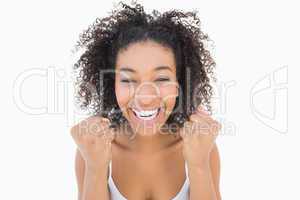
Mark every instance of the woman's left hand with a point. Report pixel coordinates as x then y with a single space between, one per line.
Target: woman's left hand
199 134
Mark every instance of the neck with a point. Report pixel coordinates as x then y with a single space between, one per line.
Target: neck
146 143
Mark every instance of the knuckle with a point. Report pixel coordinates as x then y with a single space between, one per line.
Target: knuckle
91 130
73 131
194 118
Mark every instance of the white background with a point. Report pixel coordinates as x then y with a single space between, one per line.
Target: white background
254 42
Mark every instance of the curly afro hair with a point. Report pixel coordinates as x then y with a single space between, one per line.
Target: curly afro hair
126 24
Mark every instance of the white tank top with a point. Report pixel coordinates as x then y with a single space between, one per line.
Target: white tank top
115 194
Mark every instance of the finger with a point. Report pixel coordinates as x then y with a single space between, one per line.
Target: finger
216 127
199 118
104 120
203 124
98 129
108 131
209 127
195 118
202 111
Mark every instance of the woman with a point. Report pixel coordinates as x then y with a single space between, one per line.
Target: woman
146 77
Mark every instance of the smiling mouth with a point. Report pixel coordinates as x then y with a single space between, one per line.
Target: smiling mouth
146 114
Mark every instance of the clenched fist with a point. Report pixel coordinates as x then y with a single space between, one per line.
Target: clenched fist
199 134
93 137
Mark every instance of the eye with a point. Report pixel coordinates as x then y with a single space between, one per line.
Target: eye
162 79
128 81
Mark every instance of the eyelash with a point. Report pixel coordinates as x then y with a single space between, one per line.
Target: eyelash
127 81
162 79
159 79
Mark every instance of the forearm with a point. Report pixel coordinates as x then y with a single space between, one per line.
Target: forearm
201 184
95 186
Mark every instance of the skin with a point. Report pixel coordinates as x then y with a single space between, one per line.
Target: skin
158 155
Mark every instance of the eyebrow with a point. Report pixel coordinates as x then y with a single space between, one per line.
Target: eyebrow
127 69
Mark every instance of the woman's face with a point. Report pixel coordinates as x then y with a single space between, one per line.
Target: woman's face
146 86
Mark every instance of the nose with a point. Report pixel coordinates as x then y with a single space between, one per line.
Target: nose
146 95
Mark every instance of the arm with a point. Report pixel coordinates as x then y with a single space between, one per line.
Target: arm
204 181
92 184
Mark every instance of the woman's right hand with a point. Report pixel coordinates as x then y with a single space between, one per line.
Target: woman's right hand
93 138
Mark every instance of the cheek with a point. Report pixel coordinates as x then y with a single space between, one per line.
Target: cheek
169 94
123 95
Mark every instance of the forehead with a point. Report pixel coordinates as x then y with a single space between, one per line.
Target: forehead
145 56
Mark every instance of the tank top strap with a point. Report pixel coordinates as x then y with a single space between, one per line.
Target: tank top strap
186 170
110 168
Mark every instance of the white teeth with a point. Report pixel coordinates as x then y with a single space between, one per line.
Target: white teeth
146 114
